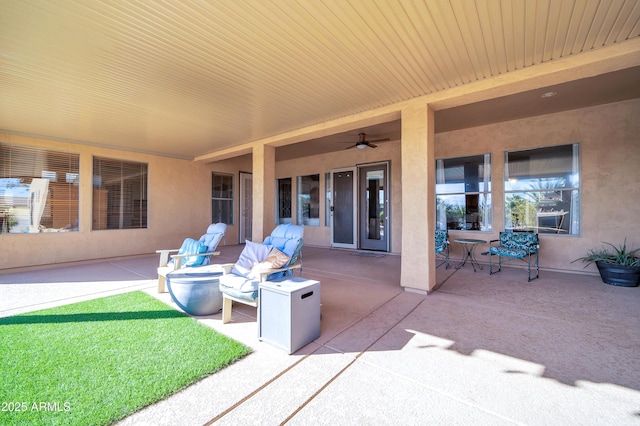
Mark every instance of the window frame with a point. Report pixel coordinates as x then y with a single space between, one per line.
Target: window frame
226 216
51 197
122 210
308 209
556 202
284 201
478 217
327 199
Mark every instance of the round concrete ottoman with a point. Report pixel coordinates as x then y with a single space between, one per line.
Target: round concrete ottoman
196 290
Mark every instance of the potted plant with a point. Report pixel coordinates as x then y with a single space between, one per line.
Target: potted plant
617 264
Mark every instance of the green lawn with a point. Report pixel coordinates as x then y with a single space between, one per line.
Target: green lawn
95 362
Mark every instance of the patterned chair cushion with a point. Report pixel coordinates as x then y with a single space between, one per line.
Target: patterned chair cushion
506 251
441 241
517 245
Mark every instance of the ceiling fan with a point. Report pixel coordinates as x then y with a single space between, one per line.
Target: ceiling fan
363 143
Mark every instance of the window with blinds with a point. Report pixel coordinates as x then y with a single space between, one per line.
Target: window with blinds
222 198
39 190
119 194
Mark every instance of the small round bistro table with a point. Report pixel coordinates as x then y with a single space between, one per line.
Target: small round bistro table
469 245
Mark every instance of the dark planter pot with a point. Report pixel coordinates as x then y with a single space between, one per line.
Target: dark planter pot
623 276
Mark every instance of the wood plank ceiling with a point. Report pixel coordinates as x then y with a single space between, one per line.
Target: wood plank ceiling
184 78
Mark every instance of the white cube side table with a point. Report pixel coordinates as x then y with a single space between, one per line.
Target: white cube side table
289 312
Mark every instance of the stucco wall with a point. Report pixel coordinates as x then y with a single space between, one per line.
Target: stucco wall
180 190
179 205
609 137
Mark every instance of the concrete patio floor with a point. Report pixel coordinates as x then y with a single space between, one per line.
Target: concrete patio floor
482 349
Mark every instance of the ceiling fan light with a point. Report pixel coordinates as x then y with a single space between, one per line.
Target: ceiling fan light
361 146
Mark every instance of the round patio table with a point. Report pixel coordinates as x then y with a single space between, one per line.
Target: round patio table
469 245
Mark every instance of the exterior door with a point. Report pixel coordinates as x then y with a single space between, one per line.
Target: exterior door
246 207
343 208
374 207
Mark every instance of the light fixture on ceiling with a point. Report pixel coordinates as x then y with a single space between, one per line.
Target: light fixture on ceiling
548 94
364 143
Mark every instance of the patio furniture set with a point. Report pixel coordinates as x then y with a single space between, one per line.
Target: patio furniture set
262 277
288 306
522 246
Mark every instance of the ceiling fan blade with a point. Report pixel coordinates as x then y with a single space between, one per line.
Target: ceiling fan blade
366 142
362 142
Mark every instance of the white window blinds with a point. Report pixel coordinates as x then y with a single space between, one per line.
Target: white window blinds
39 190
119 194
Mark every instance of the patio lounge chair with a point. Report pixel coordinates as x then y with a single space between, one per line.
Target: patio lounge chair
515 245
192 253
442 247
277 256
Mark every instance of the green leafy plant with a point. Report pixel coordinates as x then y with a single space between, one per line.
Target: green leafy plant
617 255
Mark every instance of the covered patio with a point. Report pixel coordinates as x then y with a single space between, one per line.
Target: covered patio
480 349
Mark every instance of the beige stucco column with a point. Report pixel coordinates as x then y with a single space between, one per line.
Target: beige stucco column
264 172
418 180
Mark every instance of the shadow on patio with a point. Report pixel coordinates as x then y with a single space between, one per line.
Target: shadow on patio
482 349
568 327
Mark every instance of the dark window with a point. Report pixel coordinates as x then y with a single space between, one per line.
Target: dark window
119 194
309 200
222 198
284 200
463 193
